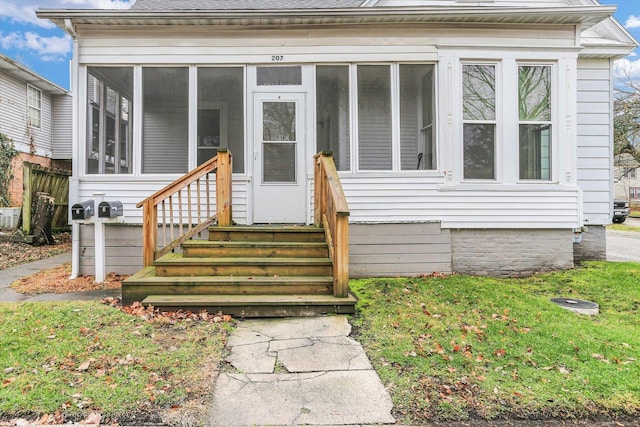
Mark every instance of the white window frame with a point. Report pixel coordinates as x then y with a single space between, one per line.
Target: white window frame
32 91
497 122
552 122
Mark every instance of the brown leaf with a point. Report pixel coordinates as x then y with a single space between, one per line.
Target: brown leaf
93 418
500 352
8 381
84 366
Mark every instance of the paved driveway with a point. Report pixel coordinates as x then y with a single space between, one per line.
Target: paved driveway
624 245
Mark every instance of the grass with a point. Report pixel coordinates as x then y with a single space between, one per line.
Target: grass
623 227
461 347
78 358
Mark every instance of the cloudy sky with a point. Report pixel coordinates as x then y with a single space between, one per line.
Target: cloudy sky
41 46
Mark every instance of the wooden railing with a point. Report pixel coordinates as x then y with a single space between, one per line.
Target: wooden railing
332 213
176 217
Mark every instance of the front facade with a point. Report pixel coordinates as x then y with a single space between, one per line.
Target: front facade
467 138
36 114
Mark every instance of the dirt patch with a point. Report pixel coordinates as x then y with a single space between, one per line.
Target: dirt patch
56 281
13 253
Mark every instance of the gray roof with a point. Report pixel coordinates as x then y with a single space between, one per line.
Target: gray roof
243 4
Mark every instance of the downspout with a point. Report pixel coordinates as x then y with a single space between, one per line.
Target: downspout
74 193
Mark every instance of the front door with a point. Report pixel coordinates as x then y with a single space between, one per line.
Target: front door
279 134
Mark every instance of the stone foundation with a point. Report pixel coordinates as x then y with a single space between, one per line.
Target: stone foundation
592 246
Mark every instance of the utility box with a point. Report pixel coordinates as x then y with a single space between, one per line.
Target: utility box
110 209
83 210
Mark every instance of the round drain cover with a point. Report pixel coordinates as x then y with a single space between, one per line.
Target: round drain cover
578 305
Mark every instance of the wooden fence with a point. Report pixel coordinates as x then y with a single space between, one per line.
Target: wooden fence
55 182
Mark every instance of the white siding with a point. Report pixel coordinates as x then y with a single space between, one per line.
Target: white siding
594 142
13 117
200 46
62 125
132 190
419 199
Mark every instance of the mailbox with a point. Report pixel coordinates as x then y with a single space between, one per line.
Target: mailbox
110 209
82 210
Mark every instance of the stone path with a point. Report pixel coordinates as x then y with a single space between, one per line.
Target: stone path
298 371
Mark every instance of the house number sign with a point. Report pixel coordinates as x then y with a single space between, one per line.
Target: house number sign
277 58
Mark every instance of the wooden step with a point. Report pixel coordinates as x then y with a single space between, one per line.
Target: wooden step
146 282
267 234
256 305
230 249
177 265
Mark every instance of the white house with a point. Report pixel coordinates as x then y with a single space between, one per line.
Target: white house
36 114
469 136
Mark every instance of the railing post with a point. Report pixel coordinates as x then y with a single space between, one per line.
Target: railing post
341 261
223 188
149 232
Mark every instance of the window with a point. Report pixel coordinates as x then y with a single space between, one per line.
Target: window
417 148
374 118
534 111
34 107
221 114
165 127
332 113
109 108
479 121
279 76
634 193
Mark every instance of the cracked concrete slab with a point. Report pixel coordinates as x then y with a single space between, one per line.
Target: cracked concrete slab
338 354
338 398
308 327
328 380
252 358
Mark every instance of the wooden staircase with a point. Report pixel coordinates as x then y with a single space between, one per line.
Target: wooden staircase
254 271
250 271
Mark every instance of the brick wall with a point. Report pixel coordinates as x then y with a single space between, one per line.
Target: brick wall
506 253
15 187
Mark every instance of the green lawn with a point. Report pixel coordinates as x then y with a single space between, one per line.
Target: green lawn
78 358
461 347
623 227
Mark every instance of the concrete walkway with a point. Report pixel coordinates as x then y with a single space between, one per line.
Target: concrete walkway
298 371
12 274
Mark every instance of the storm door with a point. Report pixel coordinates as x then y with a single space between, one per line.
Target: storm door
280 194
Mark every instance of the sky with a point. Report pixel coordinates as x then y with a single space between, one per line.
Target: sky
46 49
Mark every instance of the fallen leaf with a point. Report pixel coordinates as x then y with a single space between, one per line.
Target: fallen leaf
500 352
93 418
84 366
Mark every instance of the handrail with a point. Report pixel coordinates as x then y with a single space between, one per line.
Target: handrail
331 211
221 164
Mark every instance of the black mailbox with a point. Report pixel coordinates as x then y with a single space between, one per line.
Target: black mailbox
82 210
110 209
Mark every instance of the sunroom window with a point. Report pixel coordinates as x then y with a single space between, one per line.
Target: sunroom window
374 118
165 127
479 121
534 111
417 144
109 109
332 113
221 114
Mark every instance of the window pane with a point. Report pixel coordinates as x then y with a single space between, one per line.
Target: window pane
535 152
417 117
221 113
332 109
165 120
479 92
279 76
34 105
279 121
479 151
534 89
374 117
109 94
279 163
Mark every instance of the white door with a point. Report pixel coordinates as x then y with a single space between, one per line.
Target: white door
280 194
